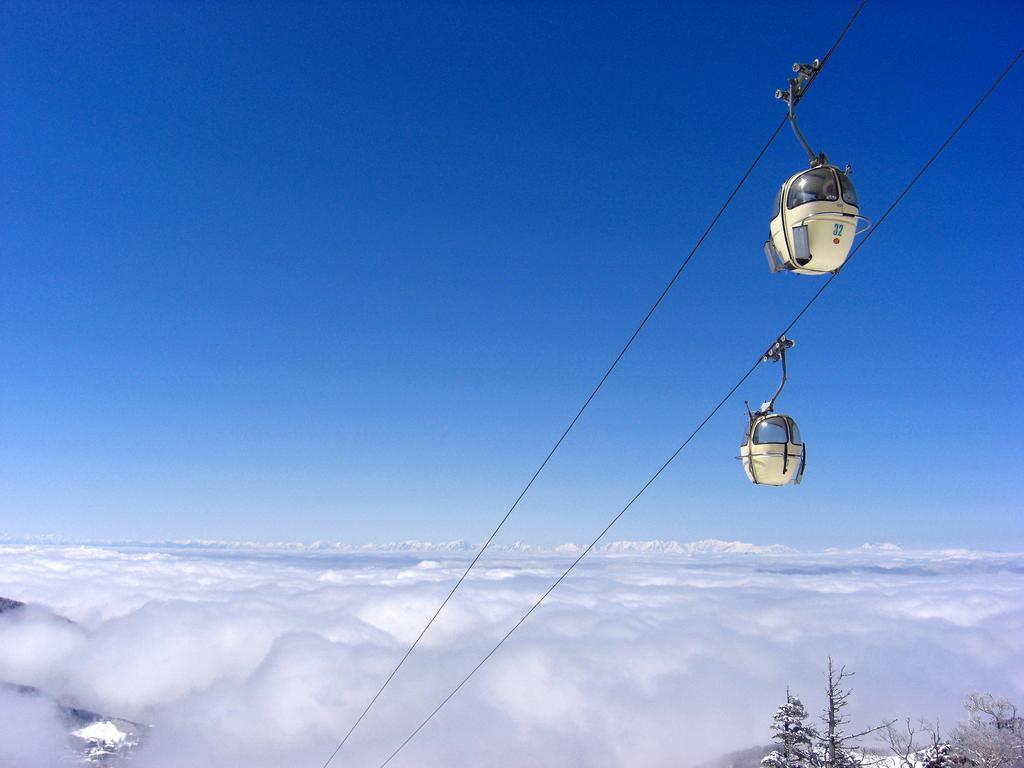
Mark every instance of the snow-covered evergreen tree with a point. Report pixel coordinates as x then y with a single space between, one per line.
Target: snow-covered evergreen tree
939 755
794 738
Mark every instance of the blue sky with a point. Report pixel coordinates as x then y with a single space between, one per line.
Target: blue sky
346 271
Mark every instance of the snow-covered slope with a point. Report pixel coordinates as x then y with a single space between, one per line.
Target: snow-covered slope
95 738
106 740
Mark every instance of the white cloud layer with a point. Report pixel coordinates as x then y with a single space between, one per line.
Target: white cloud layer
658 655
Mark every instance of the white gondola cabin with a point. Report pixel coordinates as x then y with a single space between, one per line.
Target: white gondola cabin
814 222
772 451
817 215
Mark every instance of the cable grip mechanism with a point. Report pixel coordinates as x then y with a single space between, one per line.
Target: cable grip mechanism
776 353
805 73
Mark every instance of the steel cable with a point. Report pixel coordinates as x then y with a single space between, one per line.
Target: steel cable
709 416
591 396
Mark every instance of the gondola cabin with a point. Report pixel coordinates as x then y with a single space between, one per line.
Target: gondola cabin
772 451
814 223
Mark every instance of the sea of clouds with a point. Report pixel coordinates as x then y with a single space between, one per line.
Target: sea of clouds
653 654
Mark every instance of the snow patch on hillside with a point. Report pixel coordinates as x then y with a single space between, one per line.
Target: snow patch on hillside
103 731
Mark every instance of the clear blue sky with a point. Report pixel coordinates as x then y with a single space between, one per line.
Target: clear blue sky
344 271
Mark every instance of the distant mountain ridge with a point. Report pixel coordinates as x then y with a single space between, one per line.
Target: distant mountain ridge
702 547
457 546
6 604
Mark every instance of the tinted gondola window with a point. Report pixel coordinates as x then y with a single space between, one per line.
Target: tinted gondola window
849 193
770 431
814 186
794 433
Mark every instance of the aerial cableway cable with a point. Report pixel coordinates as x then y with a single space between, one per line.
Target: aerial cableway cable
707 418
591 396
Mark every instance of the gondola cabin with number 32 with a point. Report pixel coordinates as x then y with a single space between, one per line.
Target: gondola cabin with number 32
814 222
816 215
